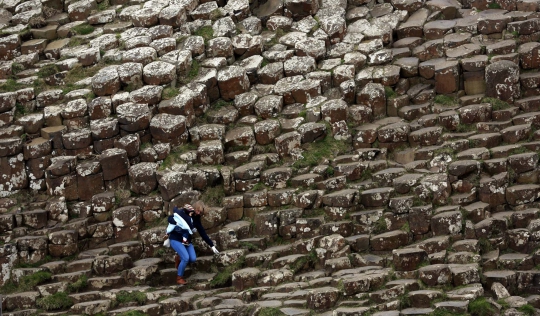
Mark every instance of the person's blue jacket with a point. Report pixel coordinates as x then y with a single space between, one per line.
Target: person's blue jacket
193 222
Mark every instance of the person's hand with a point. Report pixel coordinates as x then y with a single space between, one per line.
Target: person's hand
215 250
165 237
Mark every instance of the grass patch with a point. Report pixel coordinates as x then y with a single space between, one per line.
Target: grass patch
379 226
494 5
16 68
465 128
390 93
193 72
224 275
169 93
59 300
275 40
215 14
220 103
132 313
309 260
213 196
446 100
249 246
503 303
258 187
174 156
271 311
406 228
78 285
26 283
124 297
75 41
104 5
441 312
48 70
496 104
207 33
83 29
11 85
481 307
484 245
520 150
317 151
526 309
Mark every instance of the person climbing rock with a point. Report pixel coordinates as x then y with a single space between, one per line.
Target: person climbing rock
190 215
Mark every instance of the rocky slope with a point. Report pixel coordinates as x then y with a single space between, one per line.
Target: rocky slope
360 157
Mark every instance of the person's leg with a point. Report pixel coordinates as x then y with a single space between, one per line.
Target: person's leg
181 250
191 252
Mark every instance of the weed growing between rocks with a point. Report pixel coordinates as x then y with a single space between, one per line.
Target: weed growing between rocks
132 313
207 33
496 104
320 150
124 297
390 93
47 71
26 283
224 275
78 285
271 311
481 307
174 156
11 85
83 29
169 93
213 196
446 100
526 309
56 301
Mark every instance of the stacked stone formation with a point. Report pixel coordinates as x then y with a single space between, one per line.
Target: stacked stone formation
357 157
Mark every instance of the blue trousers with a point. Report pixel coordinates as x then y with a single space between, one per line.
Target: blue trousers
186 253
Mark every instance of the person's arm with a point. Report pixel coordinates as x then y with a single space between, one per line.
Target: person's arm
197 223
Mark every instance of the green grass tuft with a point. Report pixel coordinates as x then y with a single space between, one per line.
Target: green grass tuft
104 5
59 300
446 100
494 5
496 104
169 93
526 309
481 307
26 283
221 103
11 85
123 297
441 312
271 311
78 285
174 156
390 93
213 196
224 275
132 313
47 71
83 29
207 32
319 150
16 68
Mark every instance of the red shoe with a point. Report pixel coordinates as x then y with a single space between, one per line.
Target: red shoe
176 261
180 280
